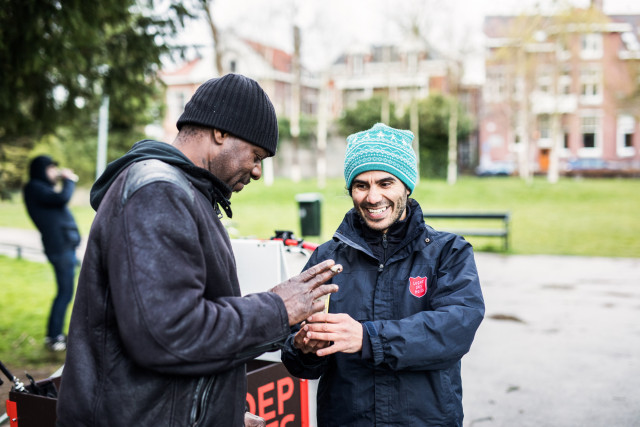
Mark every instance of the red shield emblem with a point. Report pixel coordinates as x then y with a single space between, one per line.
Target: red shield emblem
418 286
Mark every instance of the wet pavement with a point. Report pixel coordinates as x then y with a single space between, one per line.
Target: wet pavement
559 346
560 343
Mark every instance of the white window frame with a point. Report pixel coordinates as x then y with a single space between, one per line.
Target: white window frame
178 98
626 125
591 121
358 64
564 83
591 46
495 88
545 81
591 84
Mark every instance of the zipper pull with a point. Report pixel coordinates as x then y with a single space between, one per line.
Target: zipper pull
384 240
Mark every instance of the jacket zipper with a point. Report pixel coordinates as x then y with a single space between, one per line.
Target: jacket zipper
200 398
385 245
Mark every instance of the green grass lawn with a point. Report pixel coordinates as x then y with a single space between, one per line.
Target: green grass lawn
595 217
28 289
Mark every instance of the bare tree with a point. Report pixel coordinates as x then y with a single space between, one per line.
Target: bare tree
537 70
208 9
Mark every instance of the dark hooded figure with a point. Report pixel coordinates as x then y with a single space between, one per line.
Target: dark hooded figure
60 237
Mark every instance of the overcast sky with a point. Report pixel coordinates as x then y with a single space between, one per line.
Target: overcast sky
332 26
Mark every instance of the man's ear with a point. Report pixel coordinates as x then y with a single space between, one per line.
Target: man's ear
218 136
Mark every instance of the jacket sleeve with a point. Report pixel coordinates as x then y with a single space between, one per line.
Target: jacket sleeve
47 196
437 338
298 364
158 279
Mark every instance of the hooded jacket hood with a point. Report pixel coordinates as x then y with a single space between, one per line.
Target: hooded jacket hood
217 191
38 168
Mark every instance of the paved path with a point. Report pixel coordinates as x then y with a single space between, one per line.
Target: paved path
569 356
560 344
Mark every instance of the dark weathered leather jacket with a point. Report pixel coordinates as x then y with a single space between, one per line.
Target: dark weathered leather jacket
159 335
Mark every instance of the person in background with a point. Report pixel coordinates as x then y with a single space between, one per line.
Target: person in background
160 333
389 350
49 211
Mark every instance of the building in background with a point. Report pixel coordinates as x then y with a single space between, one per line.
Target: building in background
562 91
269 66
400 74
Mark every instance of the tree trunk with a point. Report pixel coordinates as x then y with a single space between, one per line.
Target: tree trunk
452 164
207 6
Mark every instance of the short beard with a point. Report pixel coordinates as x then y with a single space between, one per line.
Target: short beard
395 220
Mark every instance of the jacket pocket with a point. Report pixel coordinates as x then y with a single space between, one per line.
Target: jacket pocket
71 236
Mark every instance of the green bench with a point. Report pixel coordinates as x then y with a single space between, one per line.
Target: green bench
502 232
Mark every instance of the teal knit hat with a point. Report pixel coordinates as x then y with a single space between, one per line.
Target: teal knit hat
381 148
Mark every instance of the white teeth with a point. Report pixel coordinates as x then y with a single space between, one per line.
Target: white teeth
377 211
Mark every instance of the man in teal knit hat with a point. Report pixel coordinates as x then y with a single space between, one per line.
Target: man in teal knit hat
409 303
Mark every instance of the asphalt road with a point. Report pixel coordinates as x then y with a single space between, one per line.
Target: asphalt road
559 346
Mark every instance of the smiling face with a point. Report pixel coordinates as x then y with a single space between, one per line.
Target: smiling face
379 198
236 162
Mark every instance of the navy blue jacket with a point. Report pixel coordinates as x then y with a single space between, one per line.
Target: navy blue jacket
418 334
48 208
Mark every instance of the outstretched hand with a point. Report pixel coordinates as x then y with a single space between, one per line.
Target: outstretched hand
300 293
328 333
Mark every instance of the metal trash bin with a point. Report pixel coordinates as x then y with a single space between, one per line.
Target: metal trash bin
309 209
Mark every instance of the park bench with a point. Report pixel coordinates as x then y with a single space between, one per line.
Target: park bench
502 232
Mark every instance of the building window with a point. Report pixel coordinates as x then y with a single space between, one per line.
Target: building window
495 87
564 82
232 66
589 139
591 85
177 102
591 46
544 126
565 140
591 135
563 52
628 140
545 81
626 127
358 64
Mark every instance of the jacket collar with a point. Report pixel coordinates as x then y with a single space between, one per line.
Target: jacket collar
216 191
351 230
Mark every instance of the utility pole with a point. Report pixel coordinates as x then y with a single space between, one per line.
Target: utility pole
295 105
103 136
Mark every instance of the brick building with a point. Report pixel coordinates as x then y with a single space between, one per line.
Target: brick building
562 88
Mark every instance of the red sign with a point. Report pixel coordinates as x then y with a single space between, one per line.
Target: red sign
273 394
418 286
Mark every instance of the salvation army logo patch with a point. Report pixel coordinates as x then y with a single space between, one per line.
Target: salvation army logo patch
418 286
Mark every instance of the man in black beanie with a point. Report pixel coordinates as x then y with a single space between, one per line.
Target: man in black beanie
159 333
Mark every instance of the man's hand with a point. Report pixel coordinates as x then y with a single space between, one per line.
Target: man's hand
301 342
251 420
300 292
339 333
68 174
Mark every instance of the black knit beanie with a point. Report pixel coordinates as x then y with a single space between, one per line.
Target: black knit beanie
234 104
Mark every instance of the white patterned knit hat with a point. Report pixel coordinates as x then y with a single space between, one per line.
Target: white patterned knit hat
381 148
